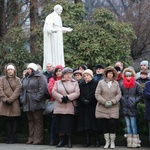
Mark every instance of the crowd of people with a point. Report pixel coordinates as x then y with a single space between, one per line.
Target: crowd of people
99 98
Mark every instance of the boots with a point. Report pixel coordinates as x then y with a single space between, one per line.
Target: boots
87 139
107 140
136 141
129 140
61 141
97 144
112 138
69 141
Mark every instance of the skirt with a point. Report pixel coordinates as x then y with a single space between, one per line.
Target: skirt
64 123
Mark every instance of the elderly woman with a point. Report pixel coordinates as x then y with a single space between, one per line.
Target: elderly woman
57 76
9 105
87 123
108 95
32 96
65 92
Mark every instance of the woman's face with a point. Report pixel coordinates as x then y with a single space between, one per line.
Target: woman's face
10 72
80 68
128 78
78 76
87 77
67 76
29 70
58 73
110 75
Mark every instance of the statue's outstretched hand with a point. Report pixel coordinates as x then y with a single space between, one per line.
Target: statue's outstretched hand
69 29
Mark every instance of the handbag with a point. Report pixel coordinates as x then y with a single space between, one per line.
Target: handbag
76 107
49 107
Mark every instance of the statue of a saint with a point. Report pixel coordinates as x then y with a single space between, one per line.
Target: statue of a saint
53 38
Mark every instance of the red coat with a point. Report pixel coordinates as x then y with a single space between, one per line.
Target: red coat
51 85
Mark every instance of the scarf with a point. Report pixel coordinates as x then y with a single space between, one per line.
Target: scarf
128 84
119 77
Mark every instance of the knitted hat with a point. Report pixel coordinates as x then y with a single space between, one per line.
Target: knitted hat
33 66
128 74
88 71
66 70
99 66
77 72
117 68
144 62
59 67
10 67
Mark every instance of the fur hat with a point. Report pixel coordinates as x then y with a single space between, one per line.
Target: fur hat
88 71
33 66
110 68
99 66
66 70
144 62
77 72
10 67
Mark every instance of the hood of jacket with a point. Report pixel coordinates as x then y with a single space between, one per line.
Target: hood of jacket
110 68
128 70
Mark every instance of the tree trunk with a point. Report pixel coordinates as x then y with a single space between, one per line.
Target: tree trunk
33 22
2 19
77 1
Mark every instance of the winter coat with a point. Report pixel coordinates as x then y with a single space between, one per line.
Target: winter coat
98 77
51 85
142 81
33 92
103 93
59 91
10 91
130 97
146 93
86 117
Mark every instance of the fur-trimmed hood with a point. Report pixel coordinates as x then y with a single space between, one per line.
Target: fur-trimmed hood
128 70
111 68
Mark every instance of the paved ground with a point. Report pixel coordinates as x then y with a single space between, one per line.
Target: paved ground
47 147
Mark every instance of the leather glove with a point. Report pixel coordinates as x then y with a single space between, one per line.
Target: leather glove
86 102
65 99
108 103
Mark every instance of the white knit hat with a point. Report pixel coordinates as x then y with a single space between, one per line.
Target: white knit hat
88 71
10 67
33 66
144 62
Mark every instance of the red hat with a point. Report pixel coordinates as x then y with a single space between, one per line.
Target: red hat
59 67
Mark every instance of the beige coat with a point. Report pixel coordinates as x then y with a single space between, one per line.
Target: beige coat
58 92
103 93
11 95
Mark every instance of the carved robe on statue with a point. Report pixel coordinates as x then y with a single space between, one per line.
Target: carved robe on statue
53 41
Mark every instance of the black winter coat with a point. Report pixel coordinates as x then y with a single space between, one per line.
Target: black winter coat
33 92
86 118
129 100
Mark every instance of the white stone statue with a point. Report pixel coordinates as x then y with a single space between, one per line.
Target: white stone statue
53 38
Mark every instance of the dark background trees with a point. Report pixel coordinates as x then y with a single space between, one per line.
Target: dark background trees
93 40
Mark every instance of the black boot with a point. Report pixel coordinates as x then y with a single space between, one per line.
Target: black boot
61 141
69 141
87 139
97 143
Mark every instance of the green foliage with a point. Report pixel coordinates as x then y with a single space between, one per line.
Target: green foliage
99 40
